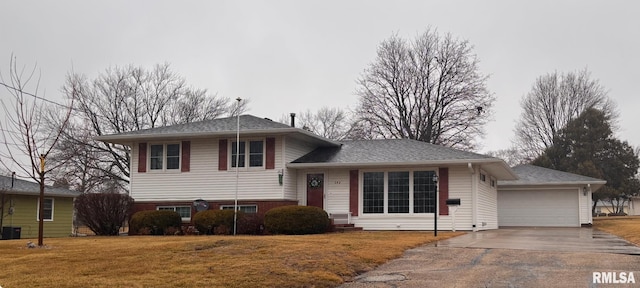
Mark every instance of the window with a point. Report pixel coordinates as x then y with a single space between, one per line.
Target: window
159 160
399 191
424 192
398 184
47 213
373 192
255 150
249 209
184 211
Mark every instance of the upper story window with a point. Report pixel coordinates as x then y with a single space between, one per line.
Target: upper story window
164 156
255 150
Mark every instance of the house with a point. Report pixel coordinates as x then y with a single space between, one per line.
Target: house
21 207
634 205
546 197
604 207
387 184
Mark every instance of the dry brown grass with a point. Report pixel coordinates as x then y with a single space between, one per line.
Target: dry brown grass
202 261
626 227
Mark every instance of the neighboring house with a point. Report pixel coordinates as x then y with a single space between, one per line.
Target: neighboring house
634 205
603 207
21 207
546 197
374 184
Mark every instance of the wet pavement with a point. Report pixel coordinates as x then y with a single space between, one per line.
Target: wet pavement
531 257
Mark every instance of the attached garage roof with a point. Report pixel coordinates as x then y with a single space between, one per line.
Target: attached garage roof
529 175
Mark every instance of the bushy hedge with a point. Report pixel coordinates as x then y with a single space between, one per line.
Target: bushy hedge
296 220
216 221
155 222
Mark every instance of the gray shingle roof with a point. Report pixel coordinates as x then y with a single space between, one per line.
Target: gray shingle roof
31 188
229 124
534 175
249 124
387 151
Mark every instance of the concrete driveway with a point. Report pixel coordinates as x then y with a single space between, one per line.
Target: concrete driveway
540 257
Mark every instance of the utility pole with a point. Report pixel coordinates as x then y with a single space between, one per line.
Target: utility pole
41 206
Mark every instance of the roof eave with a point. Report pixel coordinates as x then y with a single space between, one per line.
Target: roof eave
404 164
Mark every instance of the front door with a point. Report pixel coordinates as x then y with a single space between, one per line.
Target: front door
315 190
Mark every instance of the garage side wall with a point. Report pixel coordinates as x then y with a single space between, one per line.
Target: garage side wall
487 202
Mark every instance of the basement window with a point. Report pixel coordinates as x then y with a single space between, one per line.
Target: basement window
249 209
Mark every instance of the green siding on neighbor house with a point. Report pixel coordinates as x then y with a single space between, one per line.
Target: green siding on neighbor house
26 216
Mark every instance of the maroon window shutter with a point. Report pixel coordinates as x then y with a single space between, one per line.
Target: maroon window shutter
353 192
142 157
271 153
186 156
443 179
222 155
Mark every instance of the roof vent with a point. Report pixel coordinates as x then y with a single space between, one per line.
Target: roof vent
293 119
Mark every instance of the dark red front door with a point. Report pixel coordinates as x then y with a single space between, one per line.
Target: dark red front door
315 190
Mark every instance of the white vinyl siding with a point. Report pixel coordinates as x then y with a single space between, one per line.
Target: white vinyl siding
539 207
487 205
205 181
294 149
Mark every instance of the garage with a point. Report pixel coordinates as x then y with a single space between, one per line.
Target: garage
545 208
545 198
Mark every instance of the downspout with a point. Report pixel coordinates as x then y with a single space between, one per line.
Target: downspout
474 197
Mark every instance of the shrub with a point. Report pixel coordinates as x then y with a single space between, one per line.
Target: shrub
296 220
252 224
155 222
216 221
103 213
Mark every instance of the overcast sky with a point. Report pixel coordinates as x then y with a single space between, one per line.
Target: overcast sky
289 56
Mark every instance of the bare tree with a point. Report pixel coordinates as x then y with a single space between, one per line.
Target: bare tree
331 123
512 156
554 100
429 89
124 99
27 138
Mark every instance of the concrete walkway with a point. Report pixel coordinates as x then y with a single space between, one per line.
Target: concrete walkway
543 257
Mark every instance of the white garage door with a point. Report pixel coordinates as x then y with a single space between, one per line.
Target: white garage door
538 208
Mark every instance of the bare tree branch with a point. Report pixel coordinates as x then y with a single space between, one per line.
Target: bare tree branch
429 89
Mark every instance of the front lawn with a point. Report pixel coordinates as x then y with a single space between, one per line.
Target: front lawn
202 261
626 227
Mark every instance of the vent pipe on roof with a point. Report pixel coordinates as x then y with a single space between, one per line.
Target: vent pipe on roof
293 119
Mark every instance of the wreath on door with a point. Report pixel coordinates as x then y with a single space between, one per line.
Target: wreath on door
315 182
